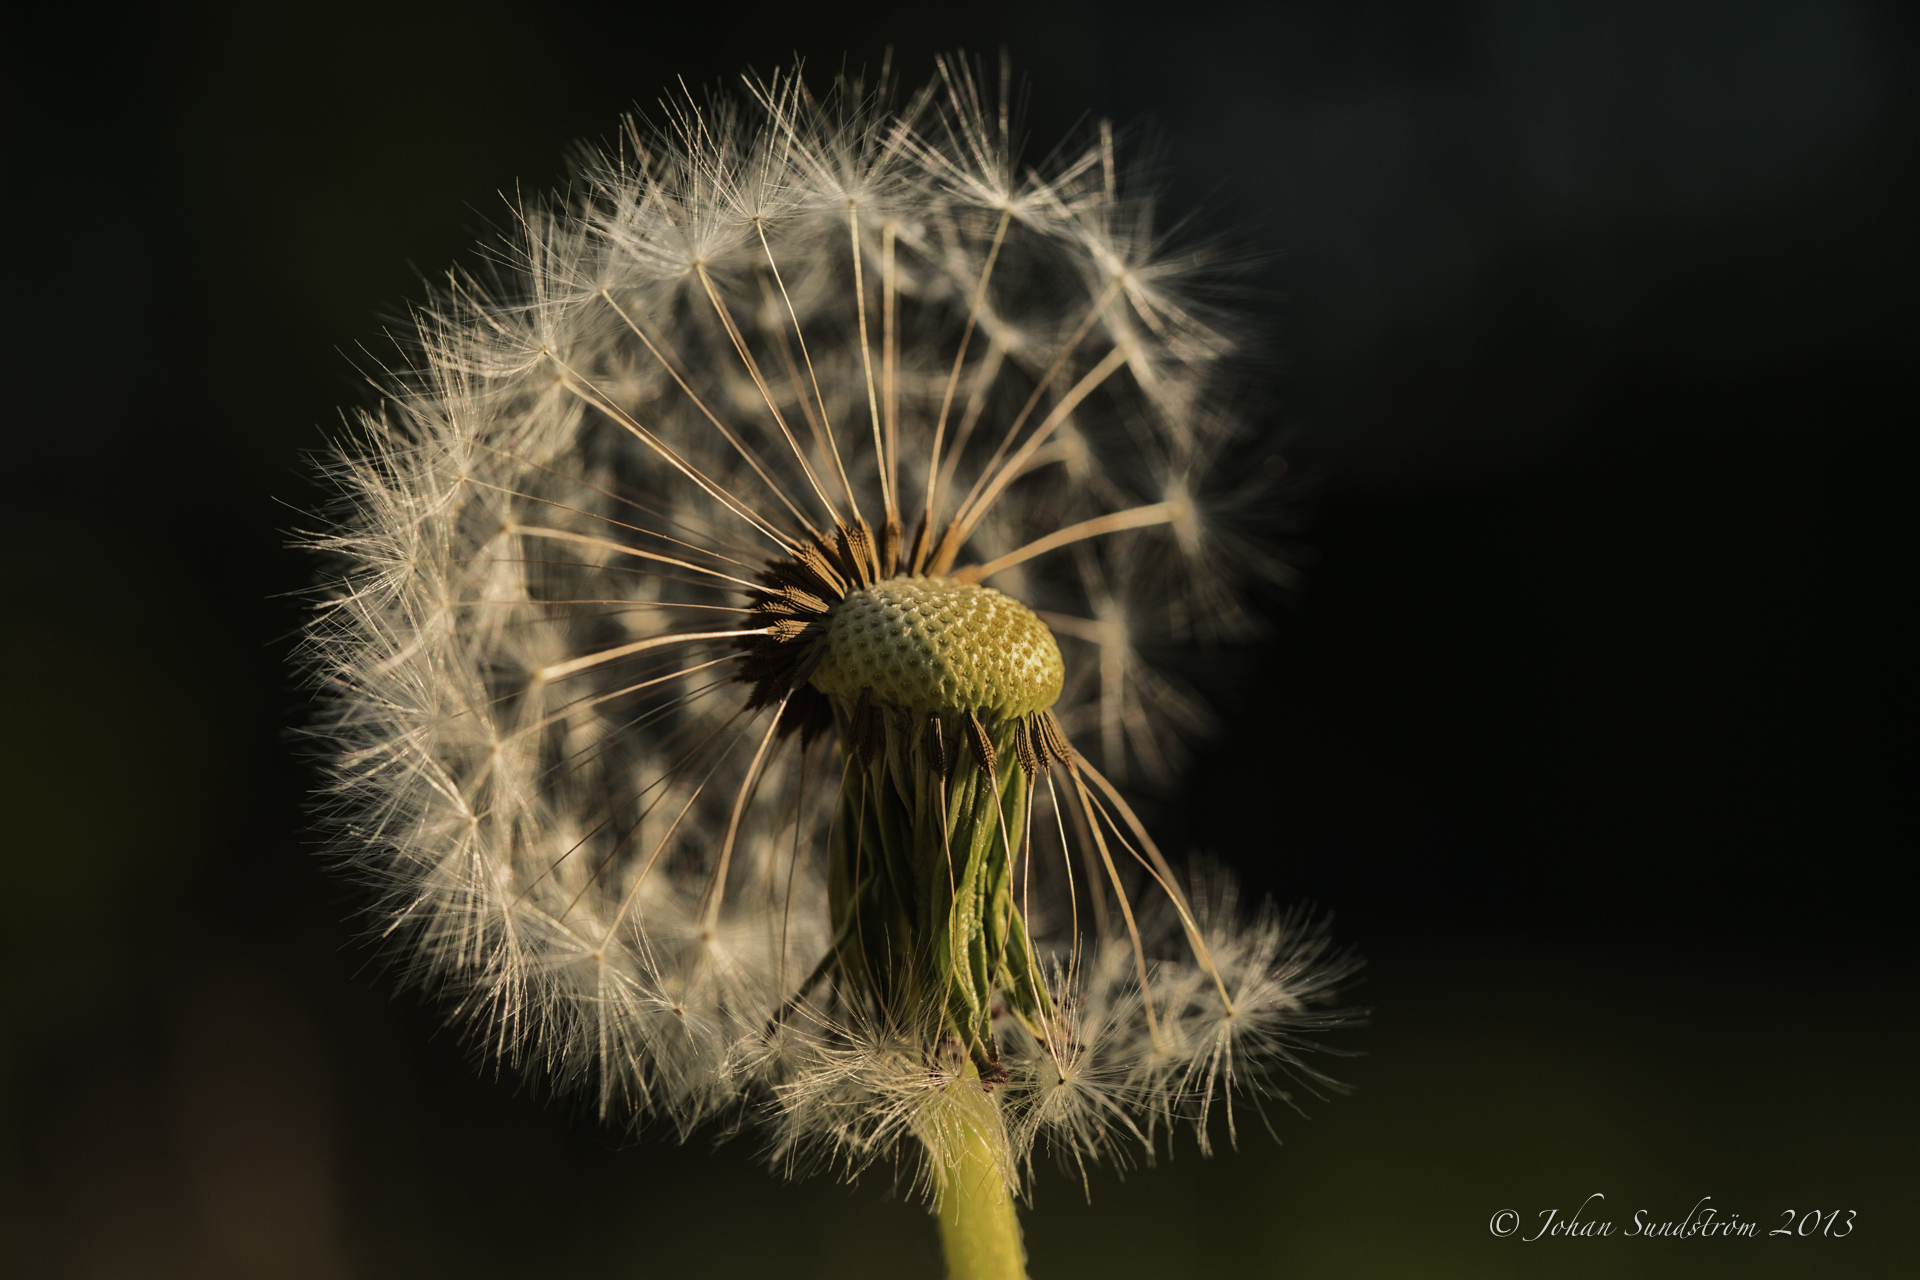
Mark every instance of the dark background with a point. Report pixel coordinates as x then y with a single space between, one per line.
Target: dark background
1592 340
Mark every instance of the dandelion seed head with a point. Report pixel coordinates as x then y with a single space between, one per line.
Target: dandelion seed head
742 607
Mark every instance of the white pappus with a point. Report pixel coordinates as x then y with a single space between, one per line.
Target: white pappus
665 702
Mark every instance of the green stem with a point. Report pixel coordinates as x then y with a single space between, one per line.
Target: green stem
979 1231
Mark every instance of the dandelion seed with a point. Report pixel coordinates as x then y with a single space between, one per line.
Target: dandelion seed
743 610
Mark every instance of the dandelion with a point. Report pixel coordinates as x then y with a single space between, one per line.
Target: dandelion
740 638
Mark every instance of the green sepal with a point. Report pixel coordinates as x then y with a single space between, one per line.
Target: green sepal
920 883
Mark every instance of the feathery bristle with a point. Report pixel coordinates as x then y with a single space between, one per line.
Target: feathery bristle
592 546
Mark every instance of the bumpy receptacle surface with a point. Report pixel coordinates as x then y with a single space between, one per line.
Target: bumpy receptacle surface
929 645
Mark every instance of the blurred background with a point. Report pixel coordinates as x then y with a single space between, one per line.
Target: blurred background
1589 327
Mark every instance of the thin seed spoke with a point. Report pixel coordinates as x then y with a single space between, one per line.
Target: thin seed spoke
561 670
1020 419
1163 873
589 515
890 352
612 808
984 374
608 544
866 362
1039 391
624 501
1102 922
682 765
962 527
1049 1013
826 423
685 521
800 397
1092 630
585 389
960 358
673 370
800 823
633 891
1113 704
1126 910
1107 184
717 886
562 770
1073 894
766 395
626 606
1132 518
573 708
657 575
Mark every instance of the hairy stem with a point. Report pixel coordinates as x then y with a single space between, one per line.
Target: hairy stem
979 1232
